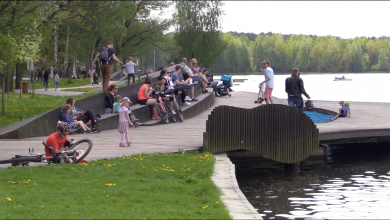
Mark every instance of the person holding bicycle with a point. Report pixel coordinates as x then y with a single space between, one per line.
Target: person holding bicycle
58 141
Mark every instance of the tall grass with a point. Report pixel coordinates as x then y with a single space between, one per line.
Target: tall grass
156 186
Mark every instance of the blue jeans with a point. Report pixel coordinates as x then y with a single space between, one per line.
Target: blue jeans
295 101
55 85
46 83
196 79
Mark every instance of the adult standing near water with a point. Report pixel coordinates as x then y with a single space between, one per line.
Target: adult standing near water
269 81
106 54
295 89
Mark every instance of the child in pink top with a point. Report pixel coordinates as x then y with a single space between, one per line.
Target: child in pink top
124 121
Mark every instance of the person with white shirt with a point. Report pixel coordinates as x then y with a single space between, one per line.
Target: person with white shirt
269 81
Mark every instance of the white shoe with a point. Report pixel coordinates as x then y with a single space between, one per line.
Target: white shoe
187 103
173 112
187 98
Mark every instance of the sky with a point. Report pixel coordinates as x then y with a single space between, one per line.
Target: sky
345 19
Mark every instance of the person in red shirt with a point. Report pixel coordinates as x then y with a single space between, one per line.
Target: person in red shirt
59 142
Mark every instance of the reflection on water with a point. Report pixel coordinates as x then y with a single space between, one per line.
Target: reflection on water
352 182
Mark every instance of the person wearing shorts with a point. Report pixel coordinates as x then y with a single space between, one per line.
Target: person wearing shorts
269 81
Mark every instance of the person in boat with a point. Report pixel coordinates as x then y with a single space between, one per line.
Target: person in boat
343 77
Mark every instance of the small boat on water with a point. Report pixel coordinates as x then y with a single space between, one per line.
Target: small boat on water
342 79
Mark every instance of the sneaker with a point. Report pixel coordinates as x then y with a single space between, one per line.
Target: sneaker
95 130
187 98
122 145
194 99
173 112
87 131
187 103
196 82
129 143
83 161
156 117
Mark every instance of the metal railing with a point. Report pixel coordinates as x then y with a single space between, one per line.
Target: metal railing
276 132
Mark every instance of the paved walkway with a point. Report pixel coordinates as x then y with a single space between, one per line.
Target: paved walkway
61 91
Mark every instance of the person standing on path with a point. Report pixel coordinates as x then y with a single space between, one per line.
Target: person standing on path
46 80
56 80
269 81
295 89
130 69
106 55
124 121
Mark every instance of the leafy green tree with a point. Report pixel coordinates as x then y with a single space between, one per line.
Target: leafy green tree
197 30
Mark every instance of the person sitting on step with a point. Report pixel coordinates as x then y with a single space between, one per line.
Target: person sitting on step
72 122
80 115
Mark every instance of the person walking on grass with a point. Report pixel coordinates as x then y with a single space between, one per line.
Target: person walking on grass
269 81
124 121
295 89
130 69
56 80
106 55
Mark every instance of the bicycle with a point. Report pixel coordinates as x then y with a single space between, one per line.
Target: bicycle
176 105
76 152
162 108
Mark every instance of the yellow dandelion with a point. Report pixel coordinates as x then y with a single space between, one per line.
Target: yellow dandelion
217 202
20 205
107 196
114 184
9 199
42 206
109 165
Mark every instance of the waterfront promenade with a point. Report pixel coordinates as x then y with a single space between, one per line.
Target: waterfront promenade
370 119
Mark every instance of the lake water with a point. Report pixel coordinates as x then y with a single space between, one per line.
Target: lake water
363 87
353 182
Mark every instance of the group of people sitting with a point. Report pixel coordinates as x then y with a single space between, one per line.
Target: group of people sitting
169 80
78 118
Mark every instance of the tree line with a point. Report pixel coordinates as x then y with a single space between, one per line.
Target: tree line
245 52
66 33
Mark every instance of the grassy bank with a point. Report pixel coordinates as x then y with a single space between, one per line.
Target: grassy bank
80 89
26 106
156 186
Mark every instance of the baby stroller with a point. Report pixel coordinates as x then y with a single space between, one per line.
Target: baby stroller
223 88
260 97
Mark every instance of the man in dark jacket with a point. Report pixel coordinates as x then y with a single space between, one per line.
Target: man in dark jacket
295 89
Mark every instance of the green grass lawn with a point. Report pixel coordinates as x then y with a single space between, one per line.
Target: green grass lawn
156 186
27 107
81 89
63 83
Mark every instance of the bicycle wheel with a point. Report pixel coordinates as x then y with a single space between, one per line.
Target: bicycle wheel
169 110
163 115
84 145
24 160
178 110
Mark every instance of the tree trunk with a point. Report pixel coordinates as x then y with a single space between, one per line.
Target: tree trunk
9 80
55 47
18 81
66 55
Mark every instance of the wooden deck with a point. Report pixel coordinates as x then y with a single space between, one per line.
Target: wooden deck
369 120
